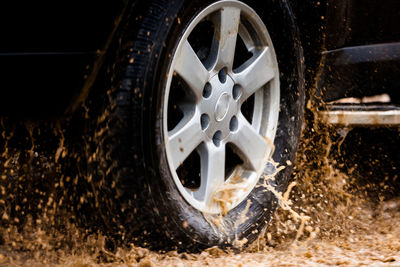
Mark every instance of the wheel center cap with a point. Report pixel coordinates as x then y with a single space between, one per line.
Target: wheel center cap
222 106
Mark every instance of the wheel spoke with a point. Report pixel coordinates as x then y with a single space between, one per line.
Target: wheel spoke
184 139
212 171
226 35
253 147
255 73
191 70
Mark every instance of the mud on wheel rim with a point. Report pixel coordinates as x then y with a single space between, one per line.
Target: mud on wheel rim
221 106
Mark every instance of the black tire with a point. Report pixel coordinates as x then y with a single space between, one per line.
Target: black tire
133 189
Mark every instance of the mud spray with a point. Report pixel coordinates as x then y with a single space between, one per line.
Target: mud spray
332 212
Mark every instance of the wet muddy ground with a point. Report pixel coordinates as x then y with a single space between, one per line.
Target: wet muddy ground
342 209
374 241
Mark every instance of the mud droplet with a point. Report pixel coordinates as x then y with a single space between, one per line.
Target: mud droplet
145 262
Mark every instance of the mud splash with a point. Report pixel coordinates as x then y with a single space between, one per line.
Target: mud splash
326 217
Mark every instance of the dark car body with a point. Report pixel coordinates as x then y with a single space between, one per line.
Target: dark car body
51 52
362 49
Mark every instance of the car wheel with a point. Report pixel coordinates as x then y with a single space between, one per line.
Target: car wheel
204 94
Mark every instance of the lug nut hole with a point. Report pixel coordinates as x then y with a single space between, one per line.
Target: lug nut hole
222 75
237 91
217 138
205 121
207 90
233 124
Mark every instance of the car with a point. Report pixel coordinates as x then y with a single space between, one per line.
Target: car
190 107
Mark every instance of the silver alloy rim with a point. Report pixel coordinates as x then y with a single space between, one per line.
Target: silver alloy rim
213 118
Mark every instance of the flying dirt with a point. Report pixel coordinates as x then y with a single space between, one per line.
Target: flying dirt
336 211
